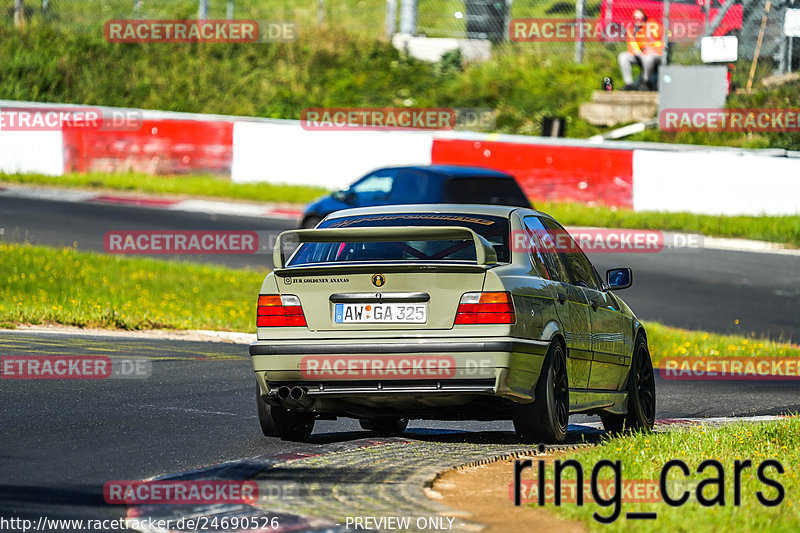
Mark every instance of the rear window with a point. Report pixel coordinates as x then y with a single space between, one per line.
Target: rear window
497 191
493 229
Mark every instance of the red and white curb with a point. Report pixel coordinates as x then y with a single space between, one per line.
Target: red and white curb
212 207
154 518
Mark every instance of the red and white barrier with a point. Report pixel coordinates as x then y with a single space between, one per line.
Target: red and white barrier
642 176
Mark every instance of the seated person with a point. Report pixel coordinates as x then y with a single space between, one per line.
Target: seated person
645 46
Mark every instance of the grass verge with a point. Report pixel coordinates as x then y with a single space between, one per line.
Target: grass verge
643 456
193 185
47 285
781 229
675 343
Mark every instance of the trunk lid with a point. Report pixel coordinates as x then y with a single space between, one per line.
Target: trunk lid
366 293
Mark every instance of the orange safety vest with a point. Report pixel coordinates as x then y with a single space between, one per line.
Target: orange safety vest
649 39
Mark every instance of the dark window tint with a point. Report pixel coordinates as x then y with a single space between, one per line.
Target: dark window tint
578 265
499 191
542 250
493 229
411 186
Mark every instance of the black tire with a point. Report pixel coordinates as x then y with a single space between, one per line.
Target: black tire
384 426
641 394
310 222
613 424
279 422
546 419
268 426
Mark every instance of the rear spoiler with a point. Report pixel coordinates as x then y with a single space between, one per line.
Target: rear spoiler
484 252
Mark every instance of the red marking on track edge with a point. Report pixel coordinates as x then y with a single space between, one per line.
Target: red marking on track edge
125 200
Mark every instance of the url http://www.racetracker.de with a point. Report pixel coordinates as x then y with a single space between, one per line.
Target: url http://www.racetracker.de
45 524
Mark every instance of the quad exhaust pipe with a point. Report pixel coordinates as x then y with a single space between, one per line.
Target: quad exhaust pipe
294 397
297 394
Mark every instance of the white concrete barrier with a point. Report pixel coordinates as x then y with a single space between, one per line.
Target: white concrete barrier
35 152
716 183
287 153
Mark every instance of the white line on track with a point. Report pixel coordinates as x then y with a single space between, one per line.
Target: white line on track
199 335
191 410
45 193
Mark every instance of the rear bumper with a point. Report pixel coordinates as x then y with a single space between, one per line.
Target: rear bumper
421 373
398 347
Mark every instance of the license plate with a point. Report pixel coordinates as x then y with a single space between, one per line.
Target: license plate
381 313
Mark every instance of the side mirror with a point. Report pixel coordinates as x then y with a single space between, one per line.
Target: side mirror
619 278
345 196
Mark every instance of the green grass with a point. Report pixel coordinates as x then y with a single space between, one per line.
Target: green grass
669 342
782 229
192 185
643 456
63 286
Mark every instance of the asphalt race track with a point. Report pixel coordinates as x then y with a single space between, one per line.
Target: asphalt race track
691 288
62 440
53 223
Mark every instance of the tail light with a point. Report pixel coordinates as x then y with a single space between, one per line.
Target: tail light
279 310
485 308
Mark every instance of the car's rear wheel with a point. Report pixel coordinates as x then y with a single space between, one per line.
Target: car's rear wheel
384 426
546 419
641 394
279 422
